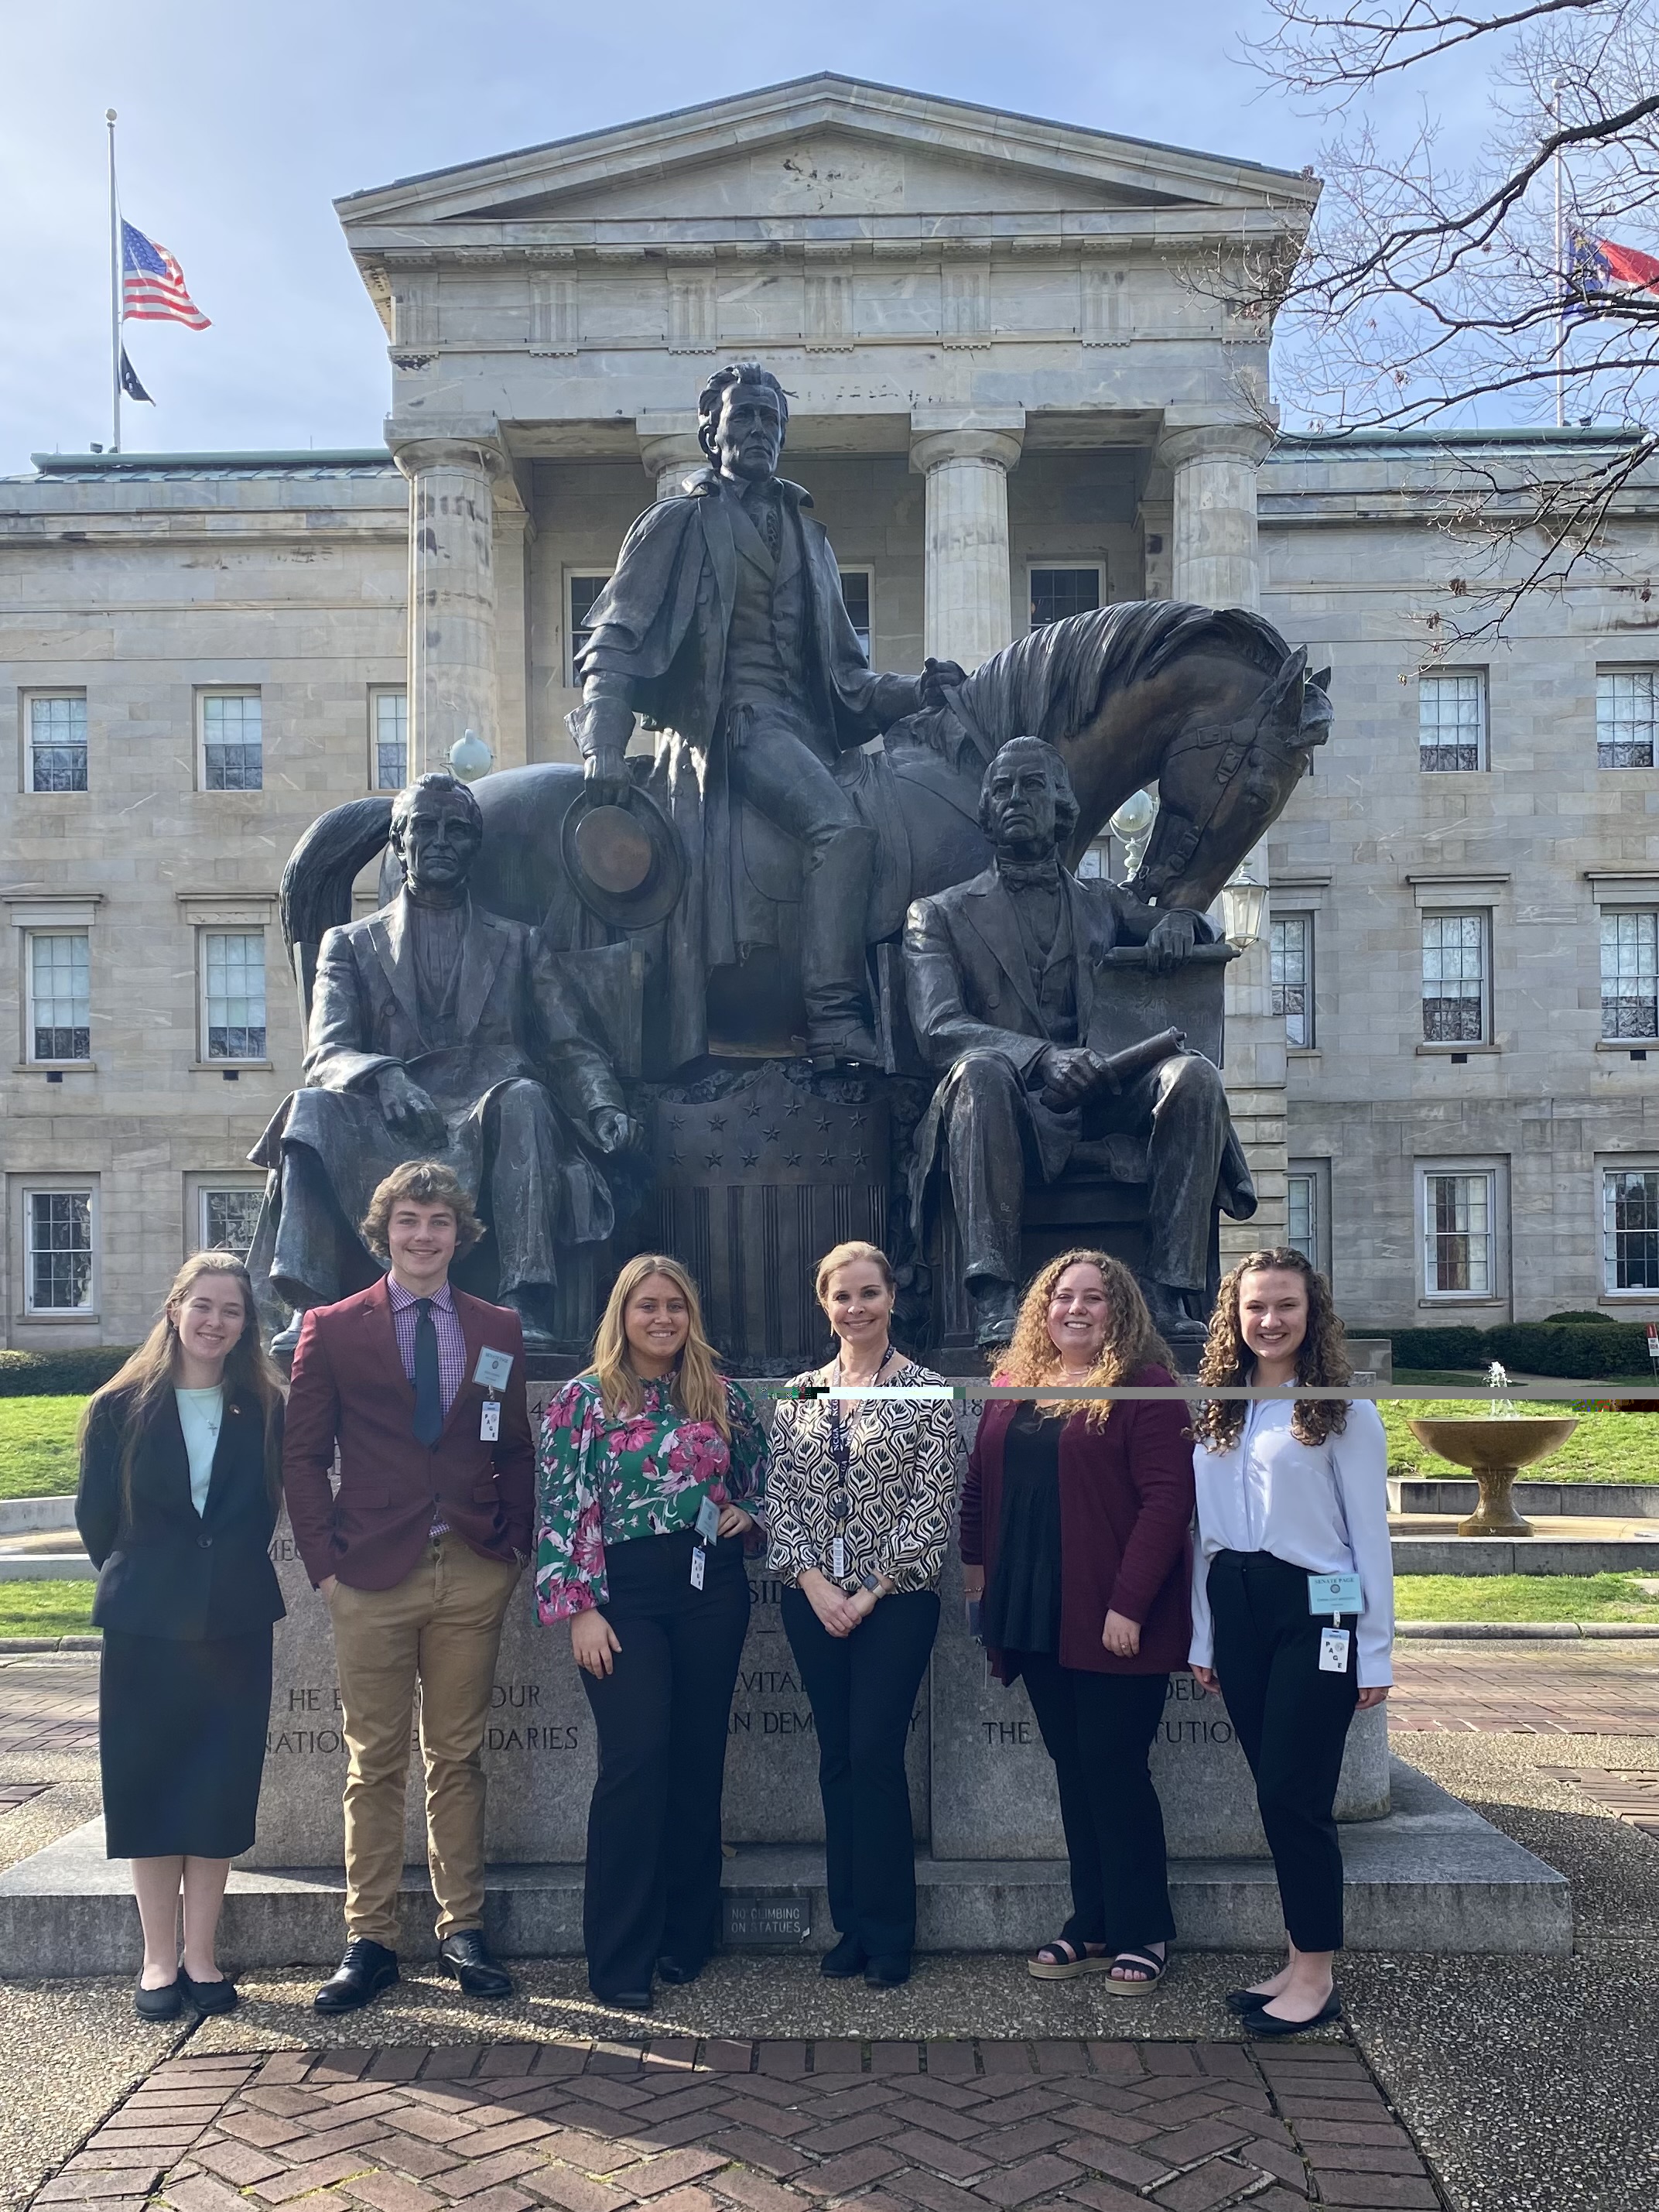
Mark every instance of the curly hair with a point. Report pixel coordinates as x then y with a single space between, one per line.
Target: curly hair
1132 1342
1229 1362
429 1182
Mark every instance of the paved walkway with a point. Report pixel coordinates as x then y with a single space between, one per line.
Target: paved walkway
1600 1688
680 2125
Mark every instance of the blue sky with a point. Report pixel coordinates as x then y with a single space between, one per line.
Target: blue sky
240 124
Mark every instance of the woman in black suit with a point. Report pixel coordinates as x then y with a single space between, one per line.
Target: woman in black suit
181 1462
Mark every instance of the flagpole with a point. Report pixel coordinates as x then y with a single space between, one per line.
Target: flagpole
1561 278
114 287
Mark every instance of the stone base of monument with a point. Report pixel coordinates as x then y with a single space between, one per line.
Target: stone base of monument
1430 1876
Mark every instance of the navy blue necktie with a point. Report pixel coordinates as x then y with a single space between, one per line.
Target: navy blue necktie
429 1391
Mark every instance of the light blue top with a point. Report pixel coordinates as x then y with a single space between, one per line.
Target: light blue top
200 1412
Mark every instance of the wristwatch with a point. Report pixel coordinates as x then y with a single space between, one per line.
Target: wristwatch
871 1583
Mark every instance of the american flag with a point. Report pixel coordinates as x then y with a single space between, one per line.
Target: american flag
153 284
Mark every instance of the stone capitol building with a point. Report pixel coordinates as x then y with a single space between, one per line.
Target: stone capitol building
1016 393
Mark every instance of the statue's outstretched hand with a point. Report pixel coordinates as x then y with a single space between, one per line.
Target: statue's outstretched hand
937 677
1172 939
1068 1074
410 1113
614 1131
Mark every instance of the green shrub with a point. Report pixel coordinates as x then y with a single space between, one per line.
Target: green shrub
1587 1350
1577 1320
59 1374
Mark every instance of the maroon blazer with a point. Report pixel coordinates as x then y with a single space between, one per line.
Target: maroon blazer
1126 1513
349 1388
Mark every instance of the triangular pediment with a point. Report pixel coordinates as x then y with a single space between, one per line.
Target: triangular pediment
825 148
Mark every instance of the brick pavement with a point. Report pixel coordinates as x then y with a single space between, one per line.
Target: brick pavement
13 1793
48 1705
1631 1792
681 2126
1599 1688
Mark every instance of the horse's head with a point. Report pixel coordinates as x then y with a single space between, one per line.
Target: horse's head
1221 784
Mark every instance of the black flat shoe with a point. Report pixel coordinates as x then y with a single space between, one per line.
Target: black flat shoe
888 1974
466 1956
846 1960
366 1969
165 2004
1242 2003
623 2000
1269 2025
676 1971
209 1997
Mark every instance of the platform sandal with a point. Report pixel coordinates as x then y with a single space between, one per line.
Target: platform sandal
1060 1960
1154 1970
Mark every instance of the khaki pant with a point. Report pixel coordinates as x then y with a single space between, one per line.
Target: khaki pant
441 1626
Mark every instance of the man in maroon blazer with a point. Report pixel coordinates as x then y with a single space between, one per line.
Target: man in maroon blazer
422 1390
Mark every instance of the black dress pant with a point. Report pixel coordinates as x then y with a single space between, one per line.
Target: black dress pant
653 1828
1291 1720
863 1690
1098 1730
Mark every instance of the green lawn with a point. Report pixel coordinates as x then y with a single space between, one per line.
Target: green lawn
1521 1597
1605 1447
45 1608
37 1446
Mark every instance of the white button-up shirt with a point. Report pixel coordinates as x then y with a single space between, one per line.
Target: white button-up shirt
1324 1507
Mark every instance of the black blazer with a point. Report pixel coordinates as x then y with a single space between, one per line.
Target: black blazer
163 1569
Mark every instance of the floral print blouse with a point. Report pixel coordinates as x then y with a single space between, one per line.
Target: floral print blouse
600 1482
904 1461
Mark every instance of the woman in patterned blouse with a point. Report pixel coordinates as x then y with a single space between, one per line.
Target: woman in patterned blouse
650 1468
858 1502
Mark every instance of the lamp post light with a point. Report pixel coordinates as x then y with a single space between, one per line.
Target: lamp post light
1132 825
1244 907
471 757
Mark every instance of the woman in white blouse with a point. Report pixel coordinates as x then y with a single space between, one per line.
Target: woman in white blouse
1291 1495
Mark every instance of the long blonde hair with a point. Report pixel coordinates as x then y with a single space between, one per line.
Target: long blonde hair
153 1370
699 1388
1132 1342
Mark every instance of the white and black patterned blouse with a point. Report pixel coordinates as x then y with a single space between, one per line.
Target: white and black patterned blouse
894 1511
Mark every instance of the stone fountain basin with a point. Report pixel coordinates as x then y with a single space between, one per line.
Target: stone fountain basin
1495 1448
1481 1440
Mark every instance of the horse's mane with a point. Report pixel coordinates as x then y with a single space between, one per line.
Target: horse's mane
1051 682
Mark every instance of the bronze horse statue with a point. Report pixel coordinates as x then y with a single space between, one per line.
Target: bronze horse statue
1210 704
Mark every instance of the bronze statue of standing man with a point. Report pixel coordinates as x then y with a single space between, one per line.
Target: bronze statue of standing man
724 624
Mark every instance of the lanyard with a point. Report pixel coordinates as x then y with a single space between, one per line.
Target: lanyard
840 1435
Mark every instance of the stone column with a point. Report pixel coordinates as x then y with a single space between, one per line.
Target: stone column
451 593
1213 466
669 449
964 455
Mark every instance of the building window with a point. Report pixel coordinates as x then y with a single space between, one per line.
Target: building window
1451 720
1057 592
1290 955
58 741
233 755
389 713
233 993
583 590
227 1216
1454 978
1302 1214
57 1254
1626 707
1629 975
855 596
60 994
1459 1233
1629 1229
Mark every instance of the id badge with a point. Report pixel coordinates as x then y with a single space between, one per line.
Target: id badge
1333 1594
493 1370
700 1568
1333 1651
709 1521
837 1558
490 1421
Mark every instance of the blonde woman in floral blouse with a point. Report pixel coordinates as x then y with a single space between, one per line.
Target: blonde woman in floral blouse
649 1471
860 1497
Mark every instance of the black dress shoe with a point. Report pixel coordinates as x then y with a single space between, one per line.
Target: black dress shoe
1270 2024
209 1997
623 2000
888 1974
466 1955
1245 2002
676 1971
366 1969
165 2004
846 1960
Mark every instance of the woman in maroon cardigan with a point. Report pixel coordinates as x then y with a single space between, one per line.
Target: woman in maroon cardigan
1075 1537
